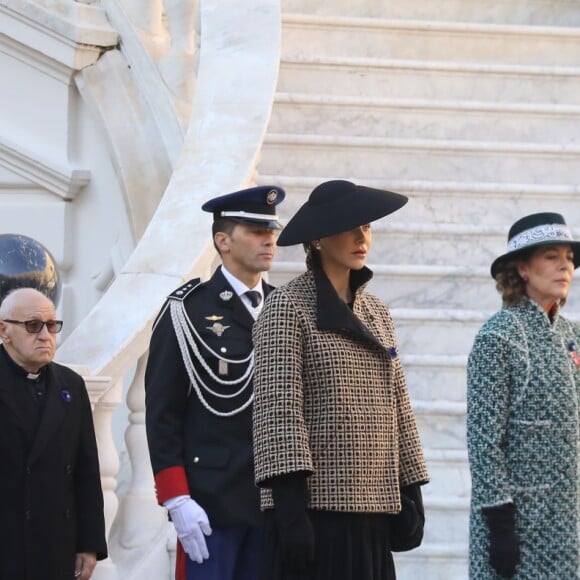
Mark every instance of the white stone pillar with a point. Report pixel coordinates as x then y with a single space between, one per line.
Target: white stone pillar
140 517
104 407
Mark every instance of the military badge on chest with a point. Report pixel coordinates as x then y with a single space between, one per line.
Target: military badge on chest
218 328
226 295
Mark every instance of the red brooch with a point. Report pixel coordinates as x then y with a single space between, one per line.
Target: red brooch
574 353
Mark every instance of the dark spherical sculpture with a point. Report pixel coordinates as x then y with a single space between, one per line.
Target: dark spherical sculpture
26 263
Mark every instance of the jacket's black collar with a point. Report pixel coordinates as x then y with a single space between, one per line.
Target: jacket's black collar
332 313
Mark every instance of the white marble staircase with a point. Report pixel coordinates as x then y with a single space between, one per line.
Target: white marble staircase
472 109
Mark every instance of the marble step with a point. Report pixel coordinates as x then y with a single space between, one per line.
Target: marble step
323 114
430 561
417 79
340 36
486 203
436 377
441 424
450 287
437 331
446 332
537 12
447 287
398 242
426 286
444 287
397 159
419 286
448 472
446 519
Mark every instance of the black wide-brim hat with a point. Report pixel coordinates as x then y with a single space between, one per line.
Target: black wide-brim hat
534 231
338 206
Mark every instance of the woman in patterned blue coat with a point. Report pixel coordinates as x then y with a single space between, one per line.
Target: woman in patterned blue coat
522 413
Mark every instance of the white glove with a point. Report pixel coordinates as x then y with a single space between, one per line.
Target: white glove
191 524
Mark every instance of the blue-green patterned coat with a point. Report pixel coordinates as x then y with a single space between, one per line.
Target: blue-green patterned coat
522 436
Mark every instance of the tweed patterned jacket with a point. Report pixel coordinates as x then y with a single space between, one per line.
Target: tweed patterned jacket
522 435
331 398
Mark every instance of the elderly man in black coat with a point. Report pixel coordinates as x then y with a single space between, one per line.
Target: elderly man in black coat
52 525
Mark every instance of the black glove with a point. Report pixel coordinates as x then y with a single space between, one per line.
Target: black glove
296 547
504 547
406 527
295 531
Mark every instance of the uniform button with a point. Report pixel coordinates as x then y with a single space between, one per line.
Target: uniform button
67 514
223 349
196 459
27 470
527 497
530 431
28 514
68 469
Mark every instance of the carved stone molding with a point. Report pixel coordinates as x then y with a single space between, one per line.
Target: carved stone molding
62 180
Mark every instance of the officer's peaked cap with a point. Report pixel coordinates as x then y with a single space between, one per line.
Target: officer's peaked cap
256 206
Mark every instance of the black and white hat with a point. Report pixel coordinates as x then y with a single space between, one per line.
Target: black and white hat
533 231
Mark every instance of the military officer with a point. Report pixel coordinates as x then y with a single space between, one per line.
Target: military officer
198 389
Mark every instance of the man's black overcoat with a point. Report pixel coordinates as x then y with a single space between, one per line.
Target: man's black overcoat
51 500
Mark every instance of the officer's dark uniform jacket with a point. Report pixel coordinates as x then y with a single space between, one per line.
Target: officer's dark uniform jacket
200 443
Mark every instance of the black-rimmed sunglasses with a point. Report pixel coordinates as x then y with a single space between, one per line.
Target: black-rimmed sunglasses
35 326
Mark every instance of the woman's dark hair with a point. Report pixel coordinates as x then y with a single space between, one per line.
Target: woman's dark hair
312 255
510 284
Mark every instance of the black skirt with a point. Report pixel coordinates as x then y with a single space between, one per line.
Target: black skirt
348 546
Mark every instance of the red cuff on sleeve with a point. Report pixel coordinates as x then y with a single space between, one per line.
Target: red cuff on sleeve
171 482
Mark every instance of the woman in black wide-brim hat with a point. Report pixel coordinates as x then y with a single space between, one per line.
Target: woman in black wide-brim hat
522 412
337 452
